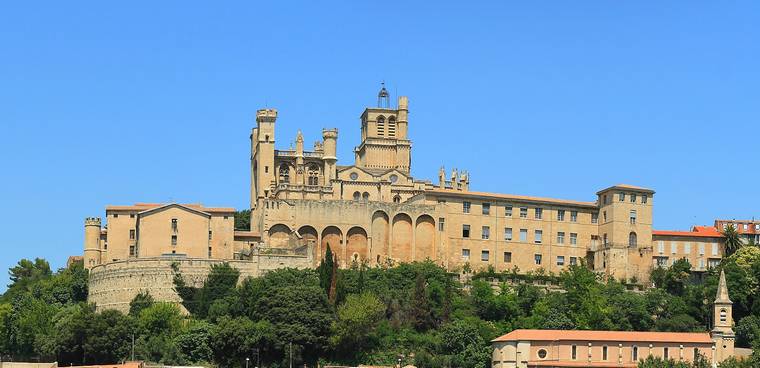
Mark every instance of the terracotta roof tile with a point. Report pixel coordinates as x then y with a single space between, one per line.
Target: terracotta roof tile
697 231
628 336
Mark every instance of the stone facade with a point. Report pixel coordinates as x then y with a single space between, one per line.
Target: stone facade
113 285
375 212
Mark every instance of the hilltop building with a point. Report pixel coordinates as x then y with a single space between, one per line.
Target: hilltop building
374 211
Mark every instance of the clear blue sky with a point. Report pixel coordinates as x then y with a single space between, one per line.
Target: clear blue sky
104 103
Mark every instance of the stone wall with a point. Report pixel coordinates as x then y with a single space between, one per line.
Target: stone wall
114 285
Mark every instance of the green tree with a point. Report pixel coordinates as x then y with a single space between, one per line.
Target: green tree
25 274
357 318
109 338
243 220
142 300
732 240
220 284
234 339
421 314
462 340
194 342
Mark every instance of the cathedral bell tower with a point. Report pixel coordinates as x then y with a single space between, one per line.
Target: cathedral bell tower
385 144
722 332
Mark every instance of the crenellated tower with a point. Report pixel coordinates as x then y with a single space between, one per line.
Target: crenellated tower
262 155
92 250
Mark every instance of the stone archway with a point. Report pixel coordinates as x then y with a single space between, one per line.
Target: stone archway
380 234
402 238
357 248
333 237
309 237
279 236
424 238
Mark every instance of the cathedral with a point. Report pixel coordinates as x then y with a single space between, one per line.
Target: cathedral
374 212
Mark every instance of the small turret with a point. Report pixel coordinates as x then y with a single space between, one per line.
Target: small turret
330 139
92 256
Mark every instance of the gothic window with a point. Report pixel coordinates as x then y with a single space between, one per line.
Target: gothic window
313 175
392 126
284 173
397 199
631 239
357 196
380 126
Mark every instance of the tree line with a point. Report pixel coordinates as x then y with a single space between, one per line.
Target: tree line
410 313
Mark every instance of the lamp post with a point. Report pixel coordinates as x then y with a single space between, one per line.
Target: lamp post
246 362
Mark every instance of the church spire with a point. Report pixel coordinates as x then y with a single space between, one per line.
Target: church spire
722 295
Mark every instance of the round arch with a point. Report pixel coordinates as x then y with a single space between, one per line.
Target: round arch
332 236
424 238
356 243
279 234
401 235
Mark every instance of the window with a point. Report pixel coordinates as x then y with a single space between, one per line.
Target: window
508 211
381 126
523 212
542 354
573 261
701 249
353 176
313 175
573 216
174 225
594 218
604 239
209 252
357 196
605 215
131 234
537 236
365 196
397 199
604 352
560 215
633 198
723 315
560 260
574 352
393 178
486 208
115 215
539 213
266 168
284 173
633 216
661 247
644 198
665 353
701 264
484 254
712 263
661 261
673 247
687 248
594 241
632 239
523 235
621 197
537 259
485 233
441 224
715 249
209 235
605 199
573 238
561 237
466 207
465 231
635 353
508 233
696 353
131 250
131 215
507 257
174 240
465 254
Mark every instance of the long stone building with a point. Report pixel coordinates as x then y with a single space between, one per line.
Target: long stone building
374 211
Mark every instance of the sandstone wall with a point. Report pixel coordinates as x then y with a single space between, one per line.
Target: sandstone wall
114 285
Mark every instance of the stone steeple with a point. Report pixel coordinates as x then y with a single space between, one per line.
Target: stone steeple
722 295
723 327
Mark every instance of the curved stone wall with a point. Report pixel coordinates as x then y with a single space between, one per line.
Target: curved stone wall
114 285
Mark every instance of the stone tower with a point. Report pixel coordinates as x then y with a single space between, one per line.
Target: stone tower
92 256
385 143
722 332
330 157
262 155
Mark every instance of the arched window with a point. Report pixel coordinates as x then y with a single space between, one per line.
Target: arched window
365 196
313 175
397 199
392 126
284 173
381 126
723 315
632 239
357 196
635 353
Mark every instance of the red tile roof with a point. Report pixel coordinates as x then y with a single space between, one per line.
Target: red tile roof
628 336
697 231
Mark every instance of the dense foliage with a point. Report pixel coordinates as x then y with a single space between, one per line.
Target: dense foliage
413 313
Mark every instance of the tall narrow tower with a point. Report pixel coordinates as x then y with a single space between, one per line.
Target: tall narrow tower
92 256
262 155
722 332
384 132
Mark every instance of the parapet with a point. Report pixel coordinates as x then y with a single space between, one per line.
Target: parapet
330 133
92 221
266 115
